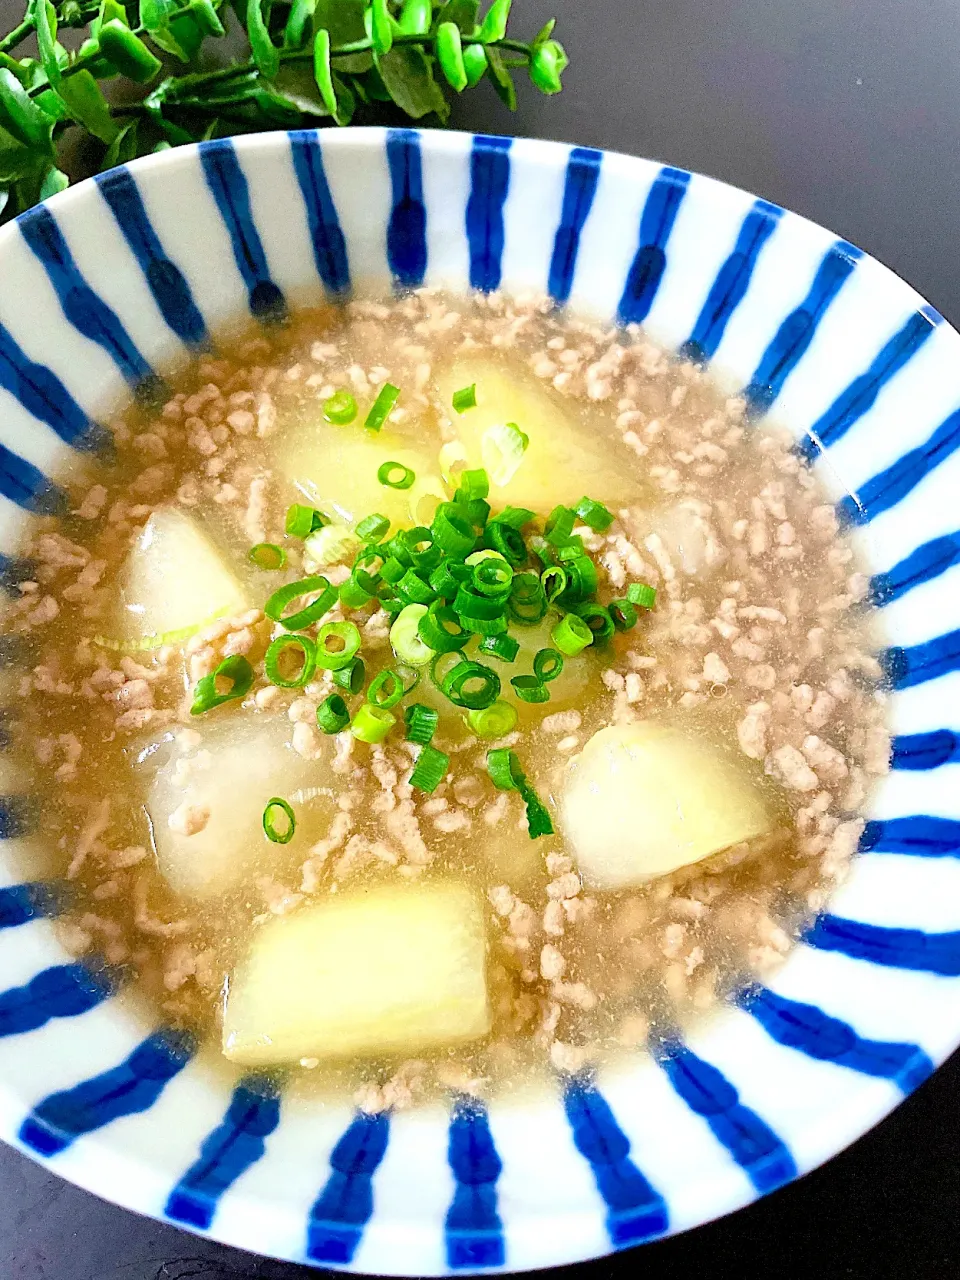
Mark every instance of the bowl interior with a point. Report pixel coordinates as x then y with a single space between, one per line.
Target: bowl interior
113 281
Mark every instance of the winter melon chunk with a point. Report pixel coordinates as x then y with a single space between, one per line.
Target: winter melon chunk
174 581
562 461
388 970
642 800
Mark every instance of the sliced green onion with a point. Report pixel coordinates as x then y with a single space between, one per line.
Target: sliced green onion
386 690
530 689
422 548
465 398
458 685
547 665
410 677
337 645
421 723
372 724
473 485
560 522
393 570
503 646
372 528
332 714
640 594
452 531
597 619
304 617
436 629
504 769
581 580
286 645
516 517
277 810
331 544
447 577
391 605
538 818
571 635
469 604
528 601
368 568
595 514
571 550
267 555
396 476
352 595
413 589
502 448
301 521
505 539
495 721
554 581
237 670
340 408
623 613
497 626
430 769
405 636
381 407
542 549
477 512
351 677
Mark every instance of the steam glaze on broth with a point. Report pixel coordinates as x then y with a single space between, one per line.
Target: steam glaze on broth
704 771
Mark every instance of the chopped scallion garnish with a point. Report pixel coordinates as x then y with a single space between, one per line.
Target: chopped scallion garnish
471 685
207 694
474 485
337 645
598 619
267 555
495 721
547 665
351 677
326 596
372 528
405 636
452 532
465 398
503 646
430 769
385 691
640 594
502 449
623 613
279 823
396 476
372 724
280 651
340 408
571 635
332 714
381 408
301 521
421 723
530 689
594 514
441 630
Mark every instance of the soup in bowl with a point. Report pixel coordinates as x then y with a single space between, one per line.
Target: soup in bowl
478 666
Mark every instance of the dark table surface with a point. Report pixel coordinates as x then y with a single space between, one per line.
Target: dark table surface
848 113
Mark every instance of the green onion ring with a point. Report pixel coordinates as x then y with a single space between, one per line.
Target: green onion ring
430 769
503 646
434 629
547 665
530 689
381 408
387 475
237 670
495 721
273 809
340 408
571 635
421 723
372 724
372 528
267 555
332 714
271 661
385 691
293 591
351 677
474 699
334 659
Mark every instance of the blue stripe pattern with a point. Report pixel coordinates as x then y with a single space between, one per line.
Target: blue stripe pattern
228 186
489 183
18 816
165 280
35 900
473 1232
919 836
733 280
44 396
923 565
891 486
861 395
407 227
763 1156
635 1211
925 751
22 483
893 948
650 261
235 1144
345 1205
809 1030
127 1089
579 189
64 991
792 340
86 310
905 667
326 235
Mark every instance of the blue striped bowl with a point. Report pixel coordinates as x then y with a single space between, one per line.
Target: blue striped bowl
111 281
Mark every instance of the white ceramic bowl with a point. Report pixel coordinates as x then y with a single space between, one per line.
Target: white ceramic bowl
112 280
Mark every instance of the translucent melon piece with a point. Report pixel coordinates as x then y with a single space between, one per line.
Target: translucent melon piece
173 583
388 970
335 468
643 799
244 761
562 461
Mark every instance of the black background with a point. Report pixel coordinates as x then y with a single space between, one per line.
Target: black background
847 111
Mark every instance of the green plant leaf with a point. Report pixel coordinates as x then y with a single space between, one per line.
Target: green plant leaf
45 22
21 116
155 20
322 73
344 20
15 159
462 13
204 13
494 25
88 106
187 34
501 79
408 78
299 19
123 148
54 106
346 100
265 53
54 181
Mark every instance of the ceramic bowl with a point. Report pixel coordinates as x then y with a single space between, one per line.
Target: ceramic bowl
119 277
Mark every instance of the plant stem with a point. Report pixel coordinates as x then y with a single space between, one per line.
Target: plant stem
14 37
